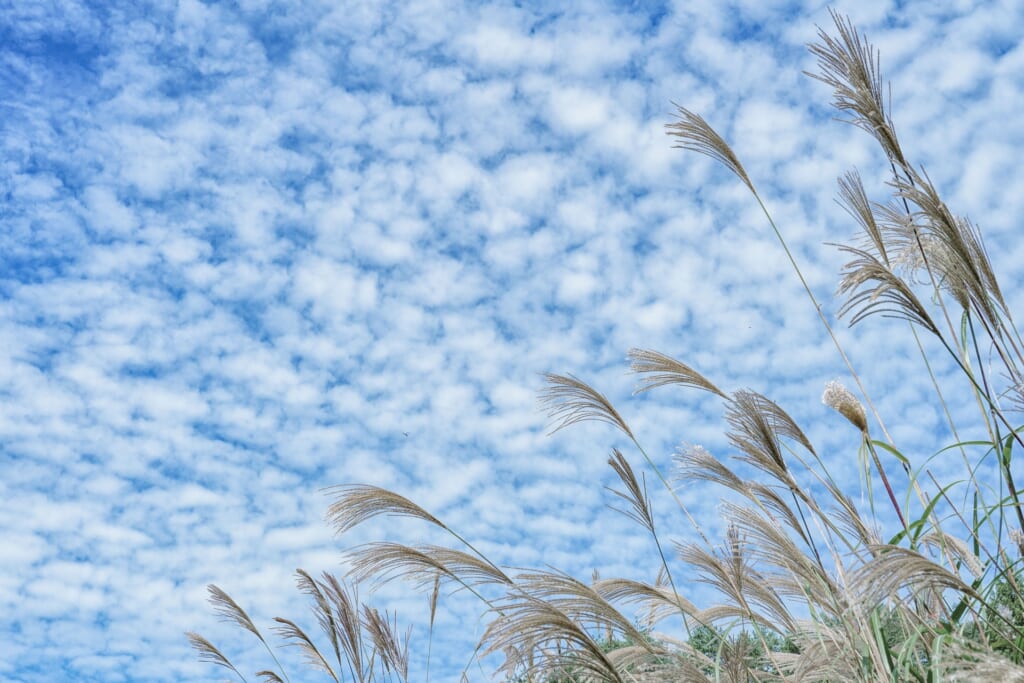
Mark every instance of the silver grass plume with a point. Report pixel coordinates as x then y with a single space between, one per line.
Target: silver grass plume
872 287
635 493
541 638
729 569
956 548
963 264
355 504
578 600
694 134
422 565
392 647
321 608
660 602
289 630
694 463
850 65
854 200
755 423
229 610
687 664
207 652
785 566
966 662
345 601
895 569
569 400
657 369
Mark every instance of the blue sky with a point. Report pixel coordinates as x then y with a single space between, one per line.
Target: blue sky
253 249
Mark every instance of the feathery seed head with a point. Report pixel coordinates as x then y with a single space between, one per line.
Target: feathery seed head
840 399
1018 538
697 450
569 400
694 134
851 66
1017 392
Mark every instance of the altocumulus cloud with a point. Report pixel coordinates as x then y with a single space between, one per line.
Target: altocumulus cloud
253 249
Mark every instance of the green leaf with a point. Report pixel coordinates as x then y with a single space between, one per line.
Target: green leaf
886 447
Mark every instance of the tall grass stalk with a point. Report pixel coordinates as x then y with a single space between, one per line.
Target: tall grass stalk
807 589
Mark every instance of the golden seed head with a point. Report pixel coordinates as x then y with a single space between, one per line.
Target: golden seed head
840 399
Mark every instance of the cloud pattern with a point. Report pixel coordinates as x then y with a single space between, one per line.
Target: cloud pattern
252 249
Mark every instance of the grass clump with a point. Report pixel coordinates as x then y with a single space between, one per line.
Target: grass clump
362 643
808 589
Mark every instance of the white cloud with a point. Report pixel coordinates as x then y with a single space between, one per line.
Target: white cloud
504 47
577 110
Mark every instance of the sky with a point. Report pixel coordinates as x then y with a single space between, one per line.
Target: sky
253 249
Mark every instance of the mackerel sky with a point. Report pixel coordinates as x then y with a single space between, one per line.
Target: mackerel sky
253 249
